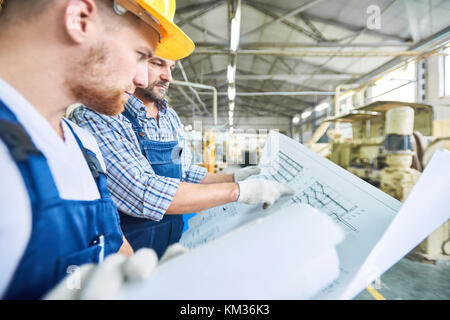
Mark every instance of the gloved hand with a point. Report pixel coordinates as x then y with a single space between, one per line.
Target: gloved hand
173 251
246 172
103 281
256 191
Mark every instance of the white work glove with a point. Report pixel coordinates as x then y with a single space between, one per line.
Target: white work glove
103 281
256 191
172 251
246 172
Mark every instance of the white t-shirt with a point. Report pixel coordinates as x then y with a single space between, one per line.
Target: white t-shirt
70 171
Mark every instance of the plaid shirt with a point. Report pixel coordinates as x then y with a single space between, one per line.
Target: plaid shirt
134 186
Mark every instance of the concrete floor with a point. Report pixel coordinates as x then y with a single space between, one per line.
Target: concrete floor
413 280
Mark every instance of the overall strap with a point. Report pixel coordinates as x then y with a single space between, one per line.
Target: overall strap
138 130
174 130
94 165
31 162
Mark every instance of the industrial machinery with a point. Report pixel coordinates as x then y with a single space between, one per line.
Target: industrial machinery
390 145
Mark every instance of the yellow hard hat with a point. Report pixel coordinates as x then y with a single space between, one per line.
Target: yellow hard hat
174 44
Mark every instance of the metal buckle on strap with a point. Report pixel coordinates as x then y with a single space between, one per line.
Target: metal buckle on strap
93 163
18 141
122 6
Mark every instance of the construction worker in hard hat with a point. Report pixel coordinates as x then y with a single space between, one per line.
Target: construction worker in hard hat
152 179
56 211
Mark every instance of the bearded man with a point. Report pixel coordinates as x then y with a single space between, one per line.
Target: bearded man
152 179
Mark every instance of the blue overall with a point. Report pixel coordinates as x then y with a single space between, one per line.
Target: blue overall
164 157
64 232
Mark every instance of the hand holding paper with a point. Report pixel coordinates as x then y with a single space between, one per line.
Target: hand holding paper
257 191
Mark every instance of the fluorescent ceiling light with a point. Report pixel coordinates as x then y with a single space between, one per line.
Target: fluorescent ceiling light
235 33
231 105
231 92
296 119
231 73
235 29
321 106
306 114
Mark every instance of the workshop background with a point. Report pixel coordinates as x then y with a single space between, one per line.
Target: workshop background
351 79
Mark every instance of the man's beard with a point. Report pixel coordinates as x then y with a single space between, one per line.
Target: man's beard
89 83
149 92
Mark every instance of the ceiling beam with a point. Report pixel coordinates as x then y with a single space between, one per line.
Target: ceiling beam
355 28
286 22
266 110
194 7
204 8
288 77
428 43
309 53
201 29
283 17
296 45
333 22
292 70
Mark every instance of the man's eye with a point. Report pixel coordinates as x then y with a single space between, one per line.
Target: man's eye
141 55
157 64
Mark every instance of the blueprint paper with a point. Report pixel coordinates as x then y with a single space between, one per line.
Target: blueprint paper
426 208
361 210
278 256
227 250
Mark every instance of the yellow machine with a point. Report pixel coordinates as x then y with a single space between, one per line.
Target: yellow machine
391 144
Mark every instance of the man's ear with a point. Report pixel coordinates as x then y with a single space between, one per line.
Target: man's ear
80 16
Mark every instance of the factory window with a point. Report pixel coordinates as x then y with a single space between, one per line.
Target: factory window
347 105
398 85
445 76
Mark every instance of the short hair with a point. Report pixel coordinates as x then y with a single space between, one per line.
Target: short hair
10 10
25 10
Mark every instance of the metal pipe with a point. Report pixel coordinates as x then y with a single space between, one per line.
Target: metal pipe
298 93
190 87
289 77
310 53
194 105
277 45
201 86
294 93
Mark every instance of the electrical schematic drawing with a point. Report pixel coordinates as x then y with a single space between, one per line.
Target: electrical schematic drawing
312 192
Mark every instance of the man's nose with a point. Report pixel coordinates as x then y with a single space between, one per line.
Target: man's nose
167 75
141 78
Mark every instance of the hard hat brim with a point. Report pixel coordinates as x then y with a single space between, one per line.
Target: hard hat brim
175 44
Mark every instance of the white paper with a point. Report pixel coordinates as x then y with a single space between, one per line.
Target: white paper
361 210
426 208
283 253
289 254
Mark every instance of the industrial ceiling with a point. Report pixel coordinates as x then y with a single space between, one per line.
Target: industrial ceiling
292 54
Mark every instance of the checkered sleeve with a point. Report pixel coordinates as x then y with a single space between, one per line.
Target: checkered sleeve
135 188
195 174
